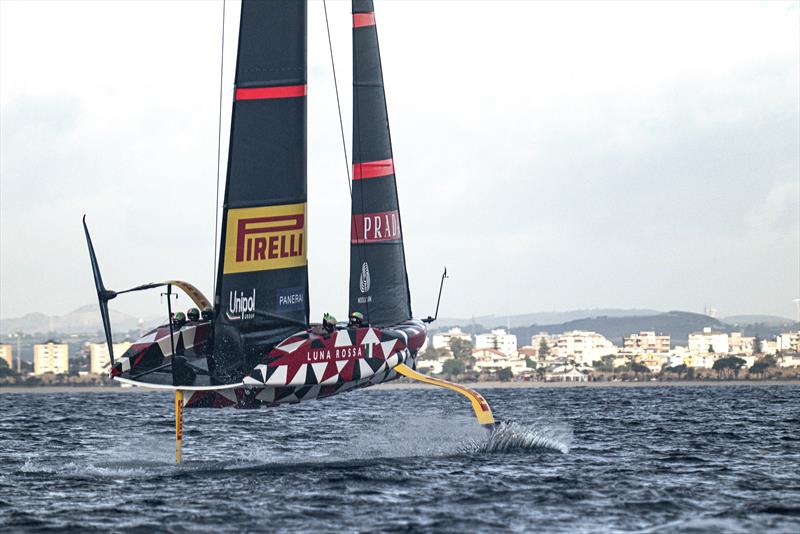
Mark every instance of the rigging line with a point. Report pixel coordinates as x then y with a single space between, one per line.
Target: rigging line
338 104
219 154
359 243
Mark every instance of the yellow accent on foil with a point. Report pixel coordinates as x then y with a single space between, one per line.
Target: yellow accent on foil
178 425
265 238
482 410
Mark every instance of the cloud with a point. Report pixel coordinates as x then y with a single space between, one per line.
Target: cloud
778 212
553 155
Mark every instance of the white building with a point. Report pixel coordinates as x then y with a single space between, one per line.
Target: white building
563 374
584 347
50 357
7 354
645 343
498 339
739 344
489 359
675 359
700 360
749 360
788 342
769 347
552 341
99 361
442 340
789 360
708 341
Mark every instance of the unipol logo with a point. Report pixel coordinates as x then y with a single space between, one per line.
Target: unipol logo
363 281
376 227
241 306
270 237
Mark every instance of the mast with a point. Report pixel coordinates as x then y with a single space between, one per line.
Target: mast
378 277
262 276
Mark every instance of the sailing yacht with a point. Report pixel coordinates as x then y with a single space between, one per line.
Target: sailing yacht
254 345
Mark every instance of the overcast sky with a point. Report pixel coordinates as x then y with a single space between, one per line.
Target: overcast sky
553 155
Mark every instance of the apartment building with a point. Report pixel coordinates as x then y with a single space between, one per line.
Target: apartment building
7 354
645 343
50 357
498 339
708 341
442 339
584 347
739 344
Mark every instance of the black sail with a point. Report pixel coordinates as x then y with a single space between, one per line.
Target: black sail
378 279
262 280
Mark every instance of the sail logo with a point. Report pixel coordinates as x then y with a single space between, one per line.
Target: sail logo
290 299
241 306
264 238
376 227
363 280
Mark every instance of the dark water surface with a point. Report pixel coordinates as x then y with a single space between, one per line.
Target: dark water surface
689 459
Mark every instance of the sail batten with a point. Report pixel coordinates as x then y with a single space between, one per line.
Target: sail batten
378 278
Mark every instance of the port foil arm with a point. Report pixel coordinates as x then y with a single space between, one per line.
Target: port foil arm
482 410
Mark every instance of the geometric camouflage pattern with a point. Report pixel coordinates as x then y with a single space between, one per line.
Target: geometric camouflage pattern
302 367
309 366
150 350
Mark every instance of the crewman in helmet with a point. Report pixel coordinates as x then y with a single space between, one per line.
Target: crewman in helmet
178 319
193 314
329 323
356 320
208 313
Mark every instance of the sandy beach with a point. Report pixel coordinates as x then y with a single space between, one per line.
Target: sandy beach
414 385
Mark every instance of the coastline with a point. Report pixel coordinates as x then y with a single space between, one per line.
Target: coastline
415 385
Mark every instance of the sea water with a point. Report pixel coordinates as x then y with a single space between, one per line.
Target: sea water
653 459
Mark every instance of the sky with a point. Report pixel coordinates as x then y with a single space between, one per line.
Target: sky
554 156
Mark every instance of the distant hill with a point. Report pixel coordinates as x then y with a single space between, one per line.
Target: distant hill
501 321
677 324
84 320
769 320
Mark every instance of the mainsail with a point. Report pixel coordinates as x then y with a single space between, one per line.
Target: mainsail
262 280
378 278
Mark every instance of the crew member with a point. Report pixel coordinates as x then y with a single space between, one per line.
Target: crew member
179 319
208 313
356 320
193 314
329 323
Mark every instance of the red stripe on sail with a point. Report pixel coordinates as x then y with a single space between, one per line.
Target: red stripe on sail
363 19
376 227
265 93
373 169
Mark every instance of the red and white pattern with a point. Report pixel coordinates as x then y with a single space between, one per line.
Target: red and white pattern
307 366
151 349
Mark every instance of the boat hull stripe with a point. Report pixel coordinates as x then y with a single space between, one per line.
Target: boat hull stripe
268 93
373 169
